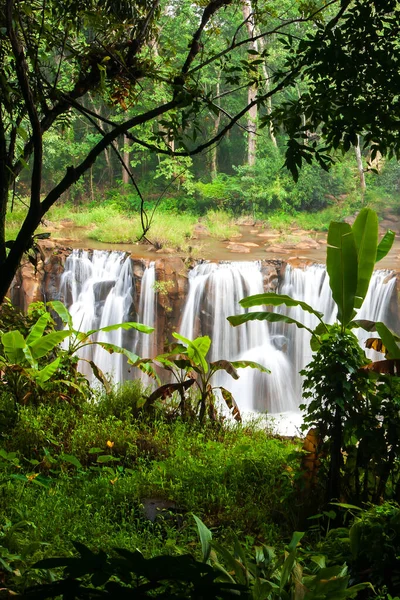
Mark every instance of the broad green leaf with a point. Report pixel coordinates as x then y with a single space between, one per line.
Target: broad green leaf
365 232
242 364
48 342
265 316
62 312
205 536
287 569
385 245
48 371
272 299
71 459
296 537
234 566
38 329
201 346
111 348
389 341
341 265
105 458
29 357
14 343
197 349
129 325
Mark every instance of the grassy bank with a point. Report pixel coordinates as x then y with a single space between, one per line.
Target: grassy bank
109 223
83 473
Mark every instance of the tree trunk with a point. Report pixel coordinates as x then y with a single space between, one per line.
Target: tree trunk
261 45
4 184
360 167
126 154
252 90
217 120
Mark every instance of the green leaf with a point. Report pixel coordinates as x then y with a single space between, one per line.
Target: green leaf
48 342
128 325
105 458
98 373
242 364
38 329
62 312
197 349
385 245
14 343
389 341
272 299
29 357
71 459
111 348
205 536
341 265
296 538
265 316
48 371
365 232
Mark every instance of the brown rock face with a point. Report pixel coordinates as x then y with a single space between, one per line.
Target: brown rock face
43 283
171 287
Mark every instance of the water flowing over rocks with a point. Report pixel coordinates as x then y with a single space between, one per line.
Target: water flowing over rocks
195 297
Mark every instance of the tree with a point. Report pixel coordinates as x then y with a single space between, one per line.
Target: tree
54 55
351 67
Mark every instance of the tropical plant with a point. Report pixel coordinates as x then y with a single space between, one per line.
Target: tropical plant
332 379
22 358
188 364
269 576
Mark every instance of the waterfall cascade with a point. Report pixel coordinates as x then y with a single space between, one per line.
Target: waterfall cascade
98 288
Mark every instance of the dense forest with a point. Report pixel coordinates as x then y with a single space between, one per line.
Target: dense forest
243 172
163 487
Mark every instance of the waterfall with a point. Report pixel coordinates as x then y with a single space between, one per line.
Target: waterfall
214 292
147 313
311 285
146 344
97 289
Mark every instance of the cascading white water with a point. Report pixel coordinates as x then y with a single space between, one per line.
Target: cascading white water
311 285
97 289
214 292
146 343
146 347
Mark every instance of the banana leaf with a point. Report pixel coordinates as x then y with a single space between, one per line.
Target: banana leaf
365 232
341 265
272 299
385 245
265 316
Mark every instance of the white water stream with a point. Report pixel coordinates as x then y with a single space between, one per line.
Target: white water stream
98 289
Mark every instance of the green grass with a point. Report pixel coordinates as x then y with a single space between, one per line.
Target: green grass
236 478
221 225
